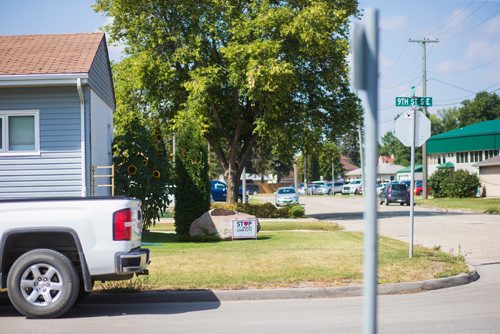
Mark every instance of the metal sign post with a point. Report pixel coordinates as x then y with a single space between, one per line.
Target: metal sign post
412 129
365 45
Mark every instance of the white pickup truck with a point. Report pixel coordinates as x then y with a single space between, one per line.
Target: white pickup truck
53 250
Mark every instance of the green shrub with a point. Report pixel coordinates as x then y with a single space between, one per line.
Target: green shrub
296 211
265 210
457 184
192 193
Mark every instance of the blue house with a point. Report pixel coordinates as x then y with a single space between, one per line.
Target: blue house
56 114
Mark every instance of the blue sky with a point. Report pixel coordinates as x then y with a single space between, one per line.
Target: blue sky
465 61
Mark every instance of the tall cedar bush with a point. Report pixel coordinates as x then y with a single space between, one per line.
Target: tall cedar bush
142 168
192 193
449 183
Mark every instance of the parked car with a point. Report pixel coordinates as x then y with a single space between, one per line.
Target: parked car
418 188
312 188
301 189
381 186
337 187
395 193
218 191
286 196
353 187
325 189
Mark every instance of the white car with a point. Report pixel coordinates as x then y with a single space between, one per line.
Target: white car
286 196
353 187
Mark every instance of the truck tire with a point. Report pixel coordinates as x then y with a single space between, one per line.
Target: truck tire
43 283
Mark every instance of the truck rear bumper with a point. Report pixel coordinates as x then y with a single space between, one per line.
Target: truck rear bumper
136 261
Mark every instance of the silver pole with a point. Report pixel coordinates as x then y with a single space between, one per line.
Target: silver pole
412 180
366 78
244 186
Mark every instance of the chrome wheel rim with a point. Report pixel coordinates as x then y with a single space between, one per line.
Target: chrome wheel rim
41 285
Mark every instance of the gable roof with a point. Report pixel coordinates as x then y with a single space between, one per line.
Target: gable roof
48 54
495 161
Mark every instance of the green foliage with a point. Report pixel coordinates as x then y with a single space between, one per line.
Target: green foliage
449 183
141 168
265 210
296 211
192 193
484 107
251 71
391 146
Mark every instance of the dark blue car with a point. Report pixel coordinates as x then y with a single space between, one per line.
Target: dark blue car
218 191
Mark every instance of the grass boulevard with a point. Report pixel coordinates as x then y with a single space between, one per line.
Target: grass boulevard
286 254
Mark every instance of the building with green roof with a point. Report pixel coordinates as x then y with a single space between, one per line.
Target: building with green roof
463 148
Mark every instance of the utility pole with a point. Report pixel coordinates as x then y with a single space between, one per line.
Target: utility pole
423 42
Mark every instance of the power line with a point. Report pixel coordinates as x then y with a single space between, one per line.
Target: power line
452 85
474 27
450 20
453 26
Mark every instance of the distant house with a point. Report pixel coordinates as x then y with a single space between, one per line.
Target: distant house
489 175
56 114
386 170
405 173
463 148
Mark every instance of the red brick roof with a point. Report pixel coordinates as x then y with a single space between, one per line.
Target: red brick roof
48 54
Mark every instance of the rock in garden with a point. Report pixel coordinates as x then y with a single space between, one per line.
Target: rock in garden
218 222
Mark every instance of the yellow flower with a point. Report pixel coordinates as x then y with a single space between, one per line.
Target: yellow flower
156 174
132 169
145 162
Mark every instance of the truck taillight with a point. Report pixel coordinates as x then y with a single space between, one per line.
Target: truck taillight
122 225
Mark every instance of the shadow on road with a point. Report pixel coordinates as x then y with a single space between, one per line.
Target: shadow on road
114 305
381 214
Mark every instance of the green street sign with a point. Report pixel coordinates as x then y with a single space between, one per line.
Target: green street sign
423 101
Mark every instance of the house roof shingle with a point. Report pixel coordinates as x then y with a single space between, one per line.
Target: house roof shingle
48 54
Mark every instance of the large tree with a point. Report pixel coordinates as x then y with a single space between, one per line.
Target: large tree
249 70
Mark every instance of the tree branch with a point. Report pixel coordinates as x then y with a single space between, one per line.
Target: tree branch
218 152
237 131
218 121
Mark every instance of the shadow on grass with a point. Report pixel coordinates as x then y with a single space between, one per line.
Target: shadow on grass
157 238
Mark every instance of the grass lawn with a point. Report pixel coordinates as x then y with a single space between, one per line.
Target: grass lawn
284 255
483 205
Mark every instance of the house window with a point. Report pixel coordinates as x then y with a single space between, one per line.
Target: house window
463 157
476 156
19 132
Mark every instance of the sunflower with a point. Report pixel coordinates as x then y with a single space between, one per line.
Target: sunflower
160 152
132 169
144 162
156 174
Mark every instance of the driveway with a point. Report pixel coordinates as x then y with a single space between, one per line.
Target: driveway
477 236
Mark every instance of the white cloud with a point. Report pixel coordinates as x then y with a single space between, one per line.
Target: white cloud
394 22
492 27
483 50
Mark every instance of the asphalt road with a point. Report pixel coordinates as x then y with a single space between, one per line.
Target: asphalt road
471 308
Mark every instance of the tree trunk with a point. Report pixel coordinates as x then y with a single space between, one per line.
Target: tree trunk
232 178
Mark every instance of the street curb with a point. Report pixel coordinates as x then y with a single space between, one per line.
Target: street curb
188 296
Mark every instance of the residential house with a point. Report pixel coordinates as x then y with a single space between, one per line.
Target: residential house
56 114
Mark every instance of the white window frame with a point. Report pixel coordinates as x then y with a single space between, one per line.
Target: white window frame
5 114
2 117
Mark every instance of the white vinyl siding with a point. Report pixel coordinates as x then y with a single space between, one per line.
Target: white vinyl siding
19 132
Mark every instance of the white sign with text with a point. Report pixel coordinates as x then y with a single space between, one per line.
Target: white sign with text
245 229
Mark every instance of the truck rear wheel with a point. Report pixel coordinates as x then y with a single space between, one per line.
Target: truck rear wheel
43 283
